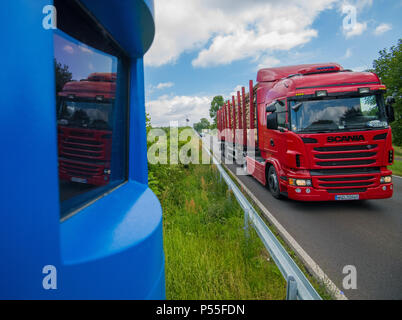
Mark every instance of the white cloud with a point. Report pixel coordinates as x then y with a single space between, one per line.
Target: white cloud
225 31
85 49
357 29
175 108
382 28
164 85
267 62
360 68
68 49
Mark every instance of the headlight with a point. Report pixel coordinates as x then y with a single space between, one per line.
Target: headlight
386 179
300 182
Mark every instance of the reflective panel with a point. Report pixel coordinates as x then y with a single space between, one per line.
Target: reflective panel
87 116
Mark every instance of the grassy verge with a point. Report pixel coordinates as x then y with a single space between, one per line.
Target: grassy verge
397 168
207 254
398 151
318 285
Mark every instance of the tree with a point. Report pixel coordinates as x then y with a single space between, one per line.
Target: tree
389 68
203 124
63 75
148 122
216 104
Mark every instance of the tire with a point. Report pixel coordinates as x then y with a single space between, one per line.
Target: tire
273 183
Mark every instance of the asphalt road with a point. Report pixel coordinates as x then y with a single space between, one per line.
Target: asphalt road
365 234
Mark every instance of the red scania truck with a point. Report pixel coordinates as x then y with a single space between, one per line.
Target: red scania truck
313 132
85 115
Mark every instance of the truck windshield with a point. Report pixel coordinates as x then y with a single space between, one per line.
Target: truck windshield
338 114
85 114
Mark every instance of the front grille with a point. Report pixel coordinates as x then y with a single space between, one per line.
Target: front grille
346 148
83 147
346 179
79 170
344 171
341 185
82 141
346 163
346 155
340 180
357 190
81 134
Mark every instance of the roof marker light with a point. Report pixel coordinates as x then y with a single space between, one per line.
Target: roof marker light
321 93
364 90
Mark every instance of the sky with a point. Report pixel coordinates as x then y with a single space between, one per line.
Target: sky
205 48
81 59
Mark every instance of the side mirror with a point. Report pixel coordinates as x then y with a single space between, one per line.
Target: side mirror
390 113
390 109
271 108
390 100
272 121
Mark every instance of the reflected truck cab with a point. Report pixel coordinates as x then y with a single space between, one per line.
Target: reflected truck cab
85 122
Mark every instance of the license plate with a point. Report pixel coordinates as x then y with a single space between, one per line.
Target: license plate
348 197
79 180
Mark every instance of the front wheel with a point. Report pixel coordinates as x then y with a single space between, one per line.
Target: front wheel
273 183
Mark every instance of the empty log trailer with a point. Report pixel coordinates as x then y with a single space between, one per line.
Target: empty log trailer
312 132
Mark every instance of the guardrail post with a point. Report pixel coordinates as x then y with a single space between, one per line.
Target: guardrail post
291 289
246 223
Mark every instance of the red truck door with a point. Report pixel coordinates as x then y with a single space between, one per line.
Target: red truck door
275 140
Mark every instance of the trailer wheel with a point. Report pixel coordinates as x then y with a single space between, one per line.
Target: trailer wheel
273 183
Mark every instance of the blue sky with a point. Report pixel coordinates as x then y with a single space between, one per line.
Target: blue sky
205 48
81 59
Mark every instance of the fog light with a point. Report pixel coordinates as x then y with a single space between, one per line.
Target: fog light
298 190
308 190
384 188
386 179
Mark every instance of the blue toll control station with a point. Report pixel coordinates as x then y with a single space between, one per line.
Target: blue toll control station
78 220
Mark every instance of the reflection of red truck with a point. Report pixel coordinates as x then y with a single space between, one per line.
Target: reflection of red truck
85 115
322 133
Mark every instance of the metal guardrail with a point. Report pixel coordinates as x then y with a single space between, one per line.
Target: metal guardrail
298 286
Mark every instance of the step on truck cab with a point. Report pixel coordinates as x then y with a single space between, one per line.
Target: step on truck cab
313 132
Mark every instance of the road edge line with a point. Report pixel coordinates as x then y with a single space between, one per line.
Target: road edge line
310 264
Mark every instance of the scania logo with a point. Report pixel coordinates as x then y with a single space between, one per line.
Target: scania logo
346 139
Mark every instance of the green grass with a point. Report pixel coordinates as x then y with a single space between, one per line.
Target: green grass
207 253
398 151
397 168
318 285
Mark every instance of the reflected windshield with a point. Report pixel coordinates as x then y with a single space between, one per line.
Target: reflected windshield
85 114
338 113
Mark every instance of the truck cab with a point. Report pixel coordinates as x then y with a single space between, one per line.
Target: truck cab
324 133
85 122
